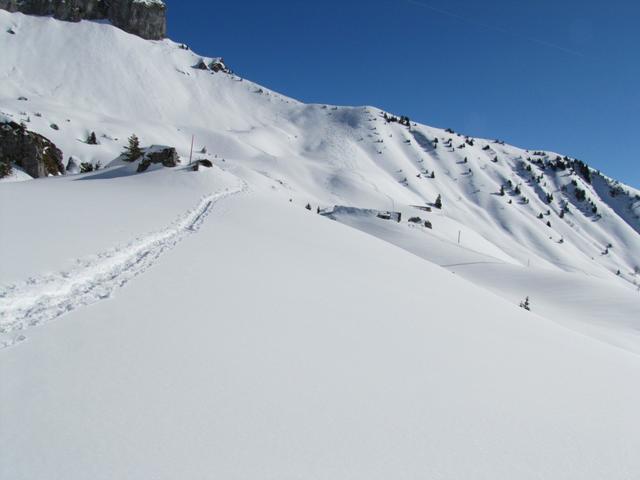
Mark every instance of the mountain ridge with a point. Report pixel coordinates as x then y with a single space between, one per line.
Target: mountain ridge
325 154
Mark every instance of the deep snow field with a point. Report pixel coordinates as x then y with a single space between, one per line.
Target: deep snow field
180 324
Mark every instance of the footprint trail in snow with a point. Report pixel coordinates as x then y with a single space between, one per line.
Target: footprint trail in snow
39 300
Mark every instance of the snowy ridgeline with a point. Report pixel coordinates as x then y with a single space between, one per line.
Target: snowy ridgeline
145 18
338 296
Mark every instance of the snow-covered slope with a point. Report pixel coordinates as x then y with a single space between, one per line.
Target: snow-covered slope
208 325
115 84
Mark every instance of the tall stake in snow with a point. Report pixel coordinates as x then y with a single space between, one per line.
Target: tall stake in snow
193 137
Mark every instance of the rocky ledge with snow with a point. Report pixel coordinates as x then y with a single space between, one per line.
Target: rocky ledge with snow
145 18
35 154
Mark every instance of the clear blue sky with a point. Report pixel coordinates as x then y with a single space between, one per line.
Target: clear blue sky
561 75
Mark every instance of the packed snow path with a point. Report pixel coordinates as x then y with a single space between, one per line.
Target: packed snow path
45 298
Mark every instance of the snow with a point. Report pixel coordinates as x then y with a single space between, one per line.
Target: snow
36 301
150 2
602 309
181 324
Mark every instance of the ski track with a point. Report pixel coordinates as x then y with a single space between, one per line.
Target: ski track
42 299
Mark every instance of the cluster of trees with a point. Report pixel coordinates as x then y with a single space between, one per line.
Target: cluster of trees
583 170
581 196
559 164
87 167
617 190
402 120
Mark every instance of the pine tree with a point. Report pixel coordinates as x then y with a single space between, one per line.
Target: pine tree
526 304
91 139
308 207
133 151
438 202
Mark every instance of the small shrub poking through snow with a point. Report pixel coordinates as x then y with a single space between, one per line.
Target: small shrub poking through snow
86 167
526 304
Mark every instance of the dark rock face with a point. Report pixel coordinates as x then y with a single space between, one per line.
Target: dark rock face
70 10
145 18
205 163
167 156
73 166
37 155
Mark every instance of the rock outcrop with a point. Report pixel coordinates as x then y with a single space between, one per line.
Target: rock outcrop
145 18
213 65
37 155
158 154
204 163
73 166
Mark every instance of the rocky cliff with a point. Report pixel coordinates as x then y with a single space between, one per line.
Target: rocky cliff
145 18
37 155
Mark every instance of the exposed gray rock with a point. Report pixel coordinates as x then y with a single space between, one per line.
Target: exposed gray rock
204 163
158 154
201 65
70 10
73 166
218 65
215 65
37 155
145 18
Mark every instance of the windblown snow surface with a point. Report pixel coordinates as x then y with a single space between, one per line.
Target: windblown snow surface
193 325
